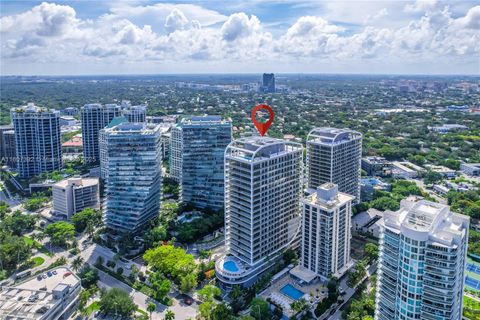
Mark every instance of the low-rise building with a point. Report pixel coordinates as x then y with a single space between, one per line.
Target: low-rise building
471 169
75 194
48 297
446 128
377 166
406 170
368 222
444 171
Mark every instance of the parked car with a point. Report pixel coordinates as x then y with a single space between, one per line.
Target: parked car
49 273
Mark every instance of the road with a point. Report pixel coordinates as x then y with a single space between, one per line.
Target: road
349 292
182 311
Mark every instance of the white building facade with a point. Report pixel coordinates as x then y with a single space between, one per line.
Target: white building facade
75 194
421 266
262 211
326 232
334 155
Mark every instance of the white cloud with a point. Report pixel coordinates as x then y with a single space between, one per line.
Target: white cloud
183 33
239 25
176 20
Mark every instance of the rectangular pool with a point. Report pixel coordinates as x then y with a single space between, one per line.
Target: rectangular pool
292 292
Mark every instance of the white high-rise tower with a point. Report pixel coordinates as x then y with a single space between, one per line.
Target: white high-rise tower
334 155
262 197
423 248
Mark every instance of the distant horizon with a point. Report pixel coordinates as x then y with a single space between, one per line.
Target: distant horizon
245 74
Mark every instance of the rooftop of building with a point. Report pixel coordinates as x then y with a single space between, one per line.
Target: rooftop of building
205 119
31 108
257 148
132 128
79 182
375 160
327 197
428 220
24 300
100 106
330 136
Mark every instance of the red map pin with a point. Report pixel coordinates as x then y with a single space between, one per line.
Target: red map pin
262 127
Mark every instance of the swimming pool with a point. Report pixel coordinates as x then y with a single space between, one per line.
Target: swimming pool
230 266
291 292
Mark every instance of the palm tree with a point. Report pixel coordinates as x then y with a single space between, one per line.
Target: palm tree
169 315
77 263
150 308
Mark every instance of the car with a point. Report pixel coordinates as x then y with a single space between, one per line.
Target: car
44 276
54 271
341 291
39 277
43 289
333 311
49 274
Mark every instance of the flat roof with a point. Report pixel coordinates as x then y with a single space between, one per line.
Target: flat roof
14 300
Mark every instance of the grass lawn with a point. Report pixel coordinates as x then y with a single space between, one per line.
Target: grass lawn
94 306
37 261
471 308
37 245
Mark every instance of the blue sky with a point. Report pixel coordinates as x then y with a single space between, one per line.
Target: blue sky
122 37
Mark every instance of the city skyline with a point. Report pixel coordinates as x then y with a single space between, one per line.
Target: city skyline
147 37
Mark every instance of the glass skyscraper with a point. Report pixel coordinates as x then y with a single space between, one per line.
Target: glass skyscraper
134 176
423 248
334 155
37 140
197 153
95 117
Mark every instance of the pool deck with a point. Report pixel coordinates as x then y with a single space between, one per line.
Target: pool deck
311 294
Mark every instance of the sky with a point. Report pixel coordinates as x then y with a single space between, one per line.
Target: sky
251 36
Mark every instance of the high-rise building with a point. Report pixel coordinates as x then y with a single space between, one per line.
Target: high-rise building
198 149
423 248
326 224
268 82
37 140
334 155
75 194
95 117
102 145
135 113
134 176
9 149
3 158
262 206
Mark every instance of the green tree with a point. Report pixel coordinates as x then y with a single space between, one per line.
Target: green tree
150 308
385 203
77 263
371 250
222 312
208 293
60 232
259 309
118 302
18 223
89 276
169 315
13 251
87 216
188 282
